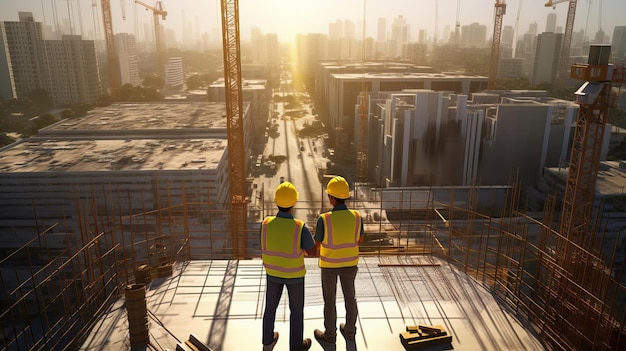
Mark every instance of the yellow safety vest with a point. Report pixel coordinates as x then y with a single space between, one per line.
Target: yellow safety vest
280 247
340 247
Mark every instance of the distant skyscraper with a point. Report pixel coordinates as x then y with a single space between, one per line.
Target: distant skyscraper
551 23
532 28
507 36
73 70
126 49
349 29
547 58
381 30
24 50
335 30
66 68
174 77
473 35
400 33
422 36
618 44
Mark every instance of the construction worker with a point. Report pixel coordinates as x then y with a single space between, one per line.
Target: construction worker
338 234
283 242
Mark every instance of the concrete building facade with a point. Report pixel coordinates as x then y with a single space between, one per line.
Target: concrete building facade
339 85
547 56
66 68
126 49
141 156
430 138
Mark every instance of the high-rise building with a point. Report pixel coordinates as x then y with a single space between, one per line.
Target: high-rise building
547 57
25 56
66 68
73 69
422 37
174 77
551 23
381 30
473 36
618 44
507 37
126 49
400 34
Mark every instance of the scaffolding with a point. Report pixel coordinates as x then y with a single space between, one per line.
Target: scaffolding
58 284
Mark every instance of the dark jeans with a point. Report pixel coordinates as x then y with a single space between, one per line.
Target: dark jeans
329 289
296 305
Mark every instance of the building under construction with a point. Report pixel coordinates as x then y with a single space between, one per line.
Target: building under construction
54 296
116 271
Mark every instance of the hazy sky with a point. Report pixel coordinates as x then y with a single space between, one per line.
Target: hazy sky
288 17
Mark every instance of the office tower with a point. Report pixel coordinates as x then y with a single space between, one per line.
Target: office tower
349 30
381 32
126 49
400 32
551 23
473 36
533 28
423 36
73 69
507 37
618 44
174 77
66 68
24 57
547 57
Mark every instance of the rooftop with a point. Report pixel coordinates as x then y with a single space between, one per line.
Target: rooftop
68 155
147 117
221 302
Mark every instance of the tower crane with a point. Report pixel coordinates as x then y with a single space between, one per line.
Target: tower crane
567 37
114 65
594 98
457 25
157 11
234 125
500 10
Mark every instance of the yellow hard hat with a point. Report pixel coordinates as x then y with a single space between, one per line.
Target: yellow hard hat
286 195
338 187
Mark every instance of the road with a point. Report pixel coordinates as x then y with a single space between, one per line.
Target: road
303 156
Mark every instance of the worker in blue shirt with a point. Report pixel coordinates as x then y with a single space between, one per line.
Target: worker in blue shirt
284 240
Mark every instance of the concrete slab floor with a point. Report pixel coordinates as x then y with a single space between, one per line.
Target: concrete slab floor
221 302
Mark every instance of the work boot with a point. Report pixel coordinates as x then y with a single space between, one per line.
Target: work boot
322 337
306 344
270 347
342 329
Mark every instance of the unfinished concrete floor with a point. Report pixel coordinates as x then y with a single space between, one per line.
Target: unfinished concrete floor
221 302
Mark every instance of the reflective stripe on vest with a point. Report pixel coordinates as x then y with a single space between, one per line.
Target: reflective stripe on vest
280 247
340 245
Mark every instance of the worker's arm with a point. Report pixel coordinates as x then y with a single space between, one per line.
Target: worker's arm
308 244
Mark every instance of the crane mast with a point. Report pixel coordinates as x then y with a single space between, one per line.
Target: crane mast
567 37
114 65
234 124
500 10
158 33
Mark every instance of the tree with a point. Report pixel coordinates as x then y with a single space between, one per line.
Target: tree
195 81
153 81
40 122
5 139
41 99
68 114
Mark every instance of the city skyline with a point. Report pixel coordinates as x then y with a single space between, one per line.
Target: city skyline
190 19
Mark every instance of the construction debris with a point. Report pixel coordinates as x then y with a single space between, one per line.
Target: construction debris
420 336
193 344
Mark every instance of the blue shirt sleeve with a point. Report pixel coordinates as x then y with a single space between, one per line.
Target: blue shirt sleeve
319 230
307 242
